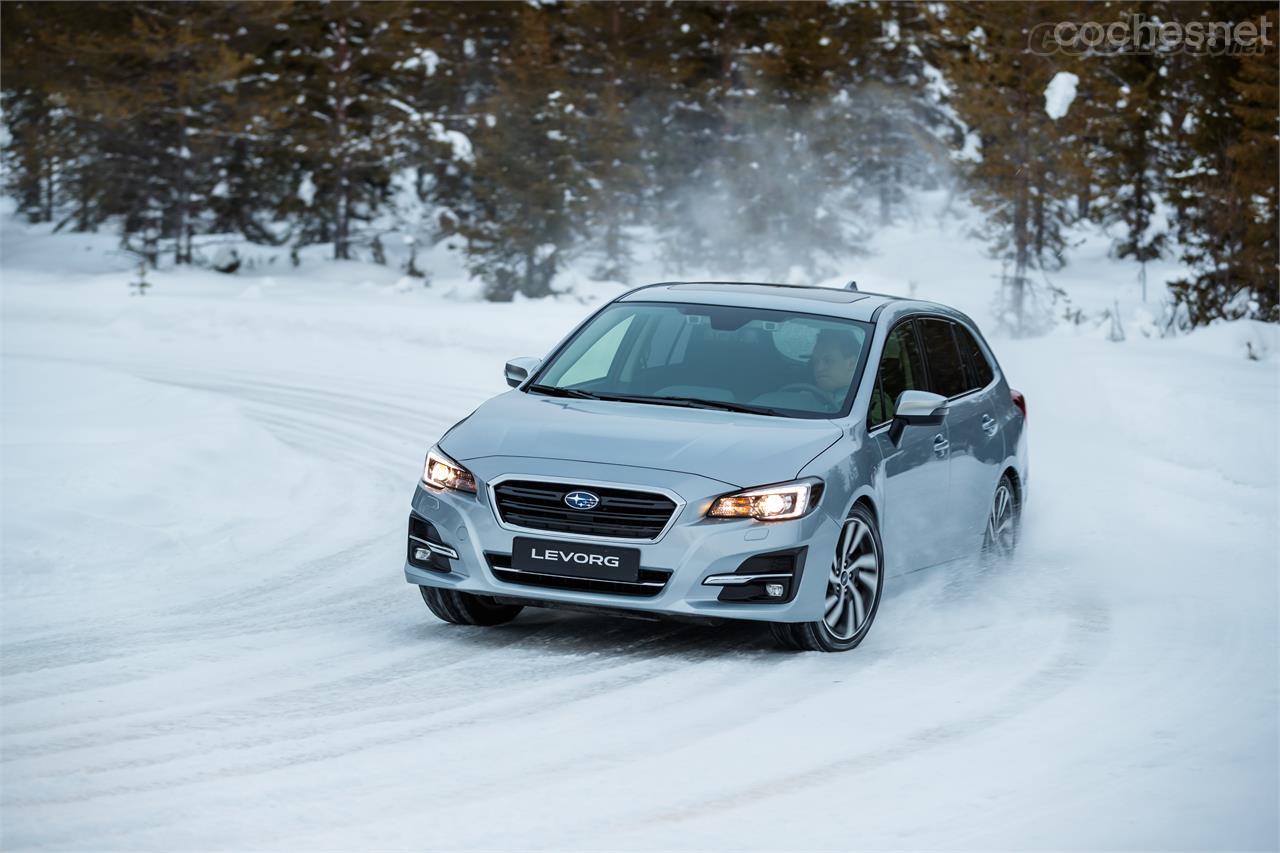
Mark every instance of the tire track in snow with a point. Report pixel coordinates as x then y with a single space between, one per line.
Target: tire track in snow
1089 622
411 724
71 648
318 426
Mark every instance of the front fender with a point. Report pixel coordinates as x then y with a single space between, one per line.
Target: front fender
852 469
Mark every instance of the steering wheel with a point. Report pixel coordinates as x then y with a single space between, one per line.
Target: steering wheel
810 387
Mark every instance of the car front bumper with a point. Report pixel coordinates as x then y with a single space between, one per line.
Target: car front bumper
692 548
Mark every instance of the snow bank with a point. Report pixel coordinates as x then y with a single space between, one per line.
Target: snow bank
1249 339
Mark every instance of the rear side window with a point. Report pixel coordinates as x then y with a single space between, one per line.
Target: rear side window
946 367
901 369
980 372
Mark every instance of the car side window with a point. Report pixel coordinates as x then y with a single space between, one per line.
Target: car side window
901 369
980 372
946 367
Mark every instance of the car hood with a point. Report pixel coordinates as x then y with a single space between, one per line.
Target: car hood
737 449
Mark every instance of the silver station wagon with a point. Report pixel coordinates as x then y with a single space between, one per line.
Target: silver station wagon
724 450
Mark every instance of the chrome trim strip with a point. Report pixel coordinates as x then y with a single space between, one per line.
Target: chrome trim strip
739 580
496 569
581 537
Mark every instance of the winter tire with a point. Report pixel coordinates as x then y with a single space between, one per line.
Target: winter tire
854 585
464 608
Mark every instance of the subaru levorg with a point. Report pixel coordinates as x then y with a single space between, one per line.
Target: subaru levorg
726 450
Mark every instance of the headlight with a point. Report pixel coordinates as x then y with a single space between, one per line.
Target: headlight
769 503
441 472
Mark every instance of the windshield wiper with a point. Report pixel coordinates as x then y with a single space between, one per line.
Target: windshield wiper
690 403
682 402
556 391
723 405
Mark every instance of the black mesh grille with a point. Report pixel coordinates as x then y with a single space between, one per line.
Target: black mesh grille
622 513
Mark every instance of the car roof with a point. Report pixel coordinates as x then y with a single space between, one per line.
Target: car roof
853 304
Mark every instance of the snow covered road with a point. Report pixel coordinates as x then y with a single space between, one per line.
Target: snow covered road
208 643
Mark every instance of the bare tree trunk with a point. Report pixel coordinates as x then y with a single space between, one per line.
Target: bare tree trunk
181 254
180 208
51 171
342 223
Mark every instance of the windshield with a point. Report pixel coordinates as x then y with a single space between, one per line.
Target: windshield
712 356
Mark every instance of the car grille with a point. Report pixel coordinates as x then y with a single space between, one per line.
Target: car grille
650 583
621 514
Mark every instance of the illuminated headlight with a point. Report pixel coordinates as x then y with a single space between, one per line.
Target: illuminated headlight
769 503
441 472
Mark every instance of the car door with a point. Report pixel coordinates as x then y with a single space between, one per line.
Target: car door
975 445
977 465
916 473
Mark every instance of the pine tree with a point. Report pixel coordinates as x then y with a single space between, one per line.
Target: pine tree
695 133
1222 173
894 135
53 155
143 94
1030 167
188 100
450 79
613 77
344 123
755 138
1254 158
1122 99
530 189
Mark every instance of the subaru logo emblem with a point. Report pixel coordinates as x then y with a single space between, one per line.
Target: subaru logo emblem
581 500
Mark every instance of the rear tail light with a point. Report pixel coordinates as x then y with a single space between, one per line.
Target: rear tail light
1019 401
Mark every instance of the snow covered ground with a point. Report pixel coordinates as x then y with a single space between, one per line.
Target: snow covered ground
208 642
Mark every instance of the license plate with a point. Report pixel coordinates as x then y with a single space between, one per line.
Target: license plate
575 559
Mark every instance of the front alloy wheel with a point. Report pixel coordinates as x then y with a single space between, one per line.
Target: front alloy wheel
854 584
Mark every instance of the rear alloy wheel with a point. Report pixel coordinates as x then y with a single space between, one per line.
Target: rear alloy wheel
854 584
1001 536
465 608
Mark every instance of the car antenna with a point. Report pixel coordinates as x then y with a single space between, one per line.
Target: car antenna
852 285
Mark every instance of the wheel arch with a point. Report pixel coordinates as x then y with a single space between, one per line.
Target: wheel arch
867 501
1011 471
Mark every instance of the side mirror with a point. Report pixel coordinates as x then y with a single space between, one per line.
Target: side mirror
917 408
520 369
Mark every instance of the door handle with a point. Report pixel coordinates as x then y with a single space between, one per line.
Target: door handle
989 425
940 446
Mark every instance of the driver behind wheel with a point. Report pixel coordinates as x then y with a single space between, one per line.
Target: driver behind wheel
834 360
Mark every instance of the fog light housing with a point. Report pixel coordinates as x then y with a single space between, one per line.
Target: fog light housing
426 548
770 578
